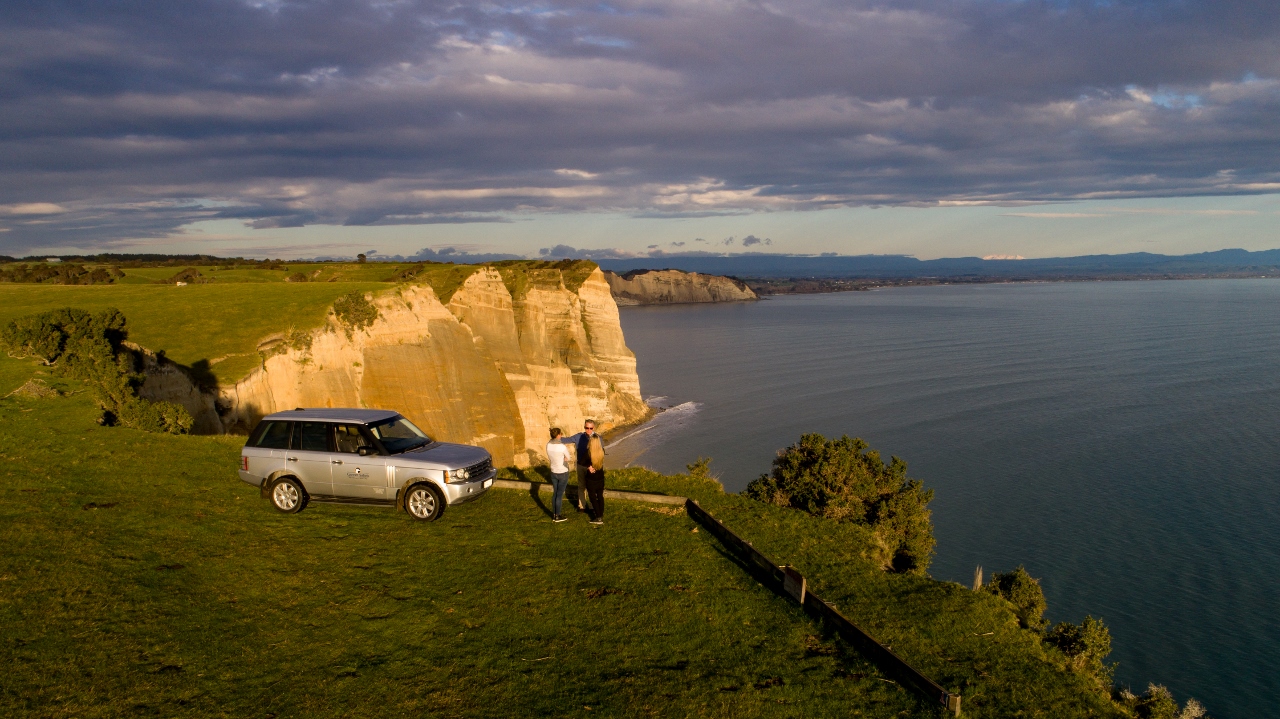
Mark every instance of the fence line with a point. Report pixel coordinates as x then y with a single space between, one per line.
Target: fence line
791 583
787 580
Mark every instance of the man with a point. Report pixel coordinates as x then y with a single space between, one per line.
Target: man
588 444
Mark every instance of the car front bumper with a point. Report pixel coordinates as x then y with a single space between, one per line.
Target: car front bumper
464 492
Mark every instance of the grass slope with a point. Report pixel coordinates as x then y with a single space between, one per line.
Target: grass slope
215 326
140 577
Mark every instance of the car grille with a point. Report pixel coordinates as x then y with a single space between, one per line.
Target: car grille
480 468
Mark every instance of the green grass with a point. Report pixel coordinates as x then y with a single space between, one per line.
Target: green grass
967 641
141 577
213 325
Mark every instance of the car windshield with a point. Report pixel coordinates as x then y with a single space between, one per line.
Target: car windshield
399 435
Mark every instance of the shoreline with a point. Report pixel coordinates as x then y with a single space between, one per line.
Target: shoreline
767 287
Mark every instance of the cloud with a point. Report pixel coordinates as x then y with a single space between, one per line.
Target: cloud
131 121
750 240
567 252
1057 215
32 208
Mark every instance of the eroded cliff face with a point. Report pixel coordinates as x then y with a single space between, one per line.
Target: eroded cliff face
659 287
486 368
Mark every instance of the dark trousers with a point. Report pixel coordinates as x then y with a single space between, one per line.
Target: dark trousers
595 490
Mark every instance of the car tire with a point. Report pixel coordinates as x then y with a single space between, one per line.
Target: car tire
424 502
288 496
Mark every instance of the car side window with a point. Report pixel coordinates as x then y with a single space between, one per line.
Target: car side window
311 437
349 439
273 435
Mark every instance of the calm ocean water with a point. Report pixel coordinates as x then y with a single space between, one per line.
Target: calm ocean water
1120 439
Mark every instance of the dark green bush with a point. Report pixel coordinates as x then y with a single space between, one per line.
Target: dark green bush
842 480
84 346
1024 592
189 275
1085 645
60 274
354 312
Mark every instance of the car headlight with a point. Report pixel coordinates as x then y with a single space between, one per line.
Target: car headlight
458 475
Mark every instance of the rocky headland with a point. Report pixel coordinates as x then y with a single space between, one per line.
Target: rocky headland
665 287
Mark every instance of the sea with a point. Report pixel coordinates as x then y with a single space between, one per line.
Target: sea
1121 440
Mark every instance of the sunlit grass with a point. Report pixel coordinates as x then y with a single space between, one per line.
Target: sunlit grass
217 324
140 576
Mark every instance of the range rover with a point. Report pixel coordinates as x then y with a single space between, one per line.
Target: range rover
360 456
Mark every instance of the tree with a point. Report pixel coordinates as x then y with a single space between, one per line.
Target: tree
843 480
1024 593
84 346
361 258
1085 646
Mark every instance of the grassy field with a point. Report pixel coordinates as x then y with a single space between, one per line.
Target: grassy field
215 327
141 577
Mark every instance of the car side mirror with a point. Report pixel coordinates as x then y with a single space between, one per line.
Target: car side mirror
364 451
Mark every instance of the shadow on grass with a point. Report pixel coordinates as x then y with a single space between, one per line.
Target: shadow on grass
539 476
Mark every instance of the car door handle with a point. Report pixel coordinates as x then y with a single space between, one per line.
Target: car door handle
291 459
337 461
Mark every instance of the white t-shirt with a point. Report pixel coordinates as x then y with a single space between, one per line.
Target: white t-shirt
558 454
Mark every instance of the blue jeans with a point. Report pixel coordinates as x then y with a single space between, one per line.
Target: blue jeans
559 480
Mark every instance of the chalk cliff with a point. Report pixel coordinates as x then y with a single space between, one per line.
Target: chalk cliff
660 287
512 352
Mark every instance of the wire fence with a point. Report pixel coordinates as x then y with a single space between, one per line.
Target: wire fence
789 582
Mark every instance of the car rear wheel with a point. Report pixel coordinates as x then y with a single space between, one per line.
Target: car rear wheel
423 502
287 496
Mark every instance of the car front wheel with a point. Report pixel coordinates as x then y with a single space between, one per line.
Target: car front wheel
287 496
423 502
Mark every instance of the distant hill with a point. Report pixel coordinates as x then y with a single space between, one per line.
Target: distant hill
1136 264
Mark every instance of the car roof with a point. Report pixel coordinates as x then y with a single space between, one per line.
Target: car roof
337 414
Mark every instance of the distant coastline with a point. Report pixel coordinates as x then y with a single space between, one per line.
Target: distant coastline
772 274
767 286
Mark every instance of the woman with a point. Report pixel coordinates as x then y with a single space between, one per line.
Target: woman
558 456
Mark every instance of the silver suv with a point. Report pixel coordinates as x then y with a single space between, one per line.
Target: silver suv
360 456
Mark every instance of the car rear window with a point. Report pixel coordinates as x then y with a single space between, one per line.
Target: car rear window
271 435
311 437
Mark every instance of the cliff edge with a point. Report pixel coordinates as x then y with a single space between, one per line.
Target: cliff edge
494 360
662 287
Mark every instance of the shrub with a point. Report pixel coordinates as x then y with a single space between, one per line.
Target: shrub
84 346
1085 646
700 469
842 480
63 274
1156 703
1024 592
354 312
189 275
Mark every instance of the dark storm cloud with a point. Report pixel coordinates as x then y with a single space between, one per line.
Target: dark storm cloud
128 120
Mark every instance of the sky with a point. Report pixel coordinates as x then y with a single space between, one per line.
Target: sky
934 128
